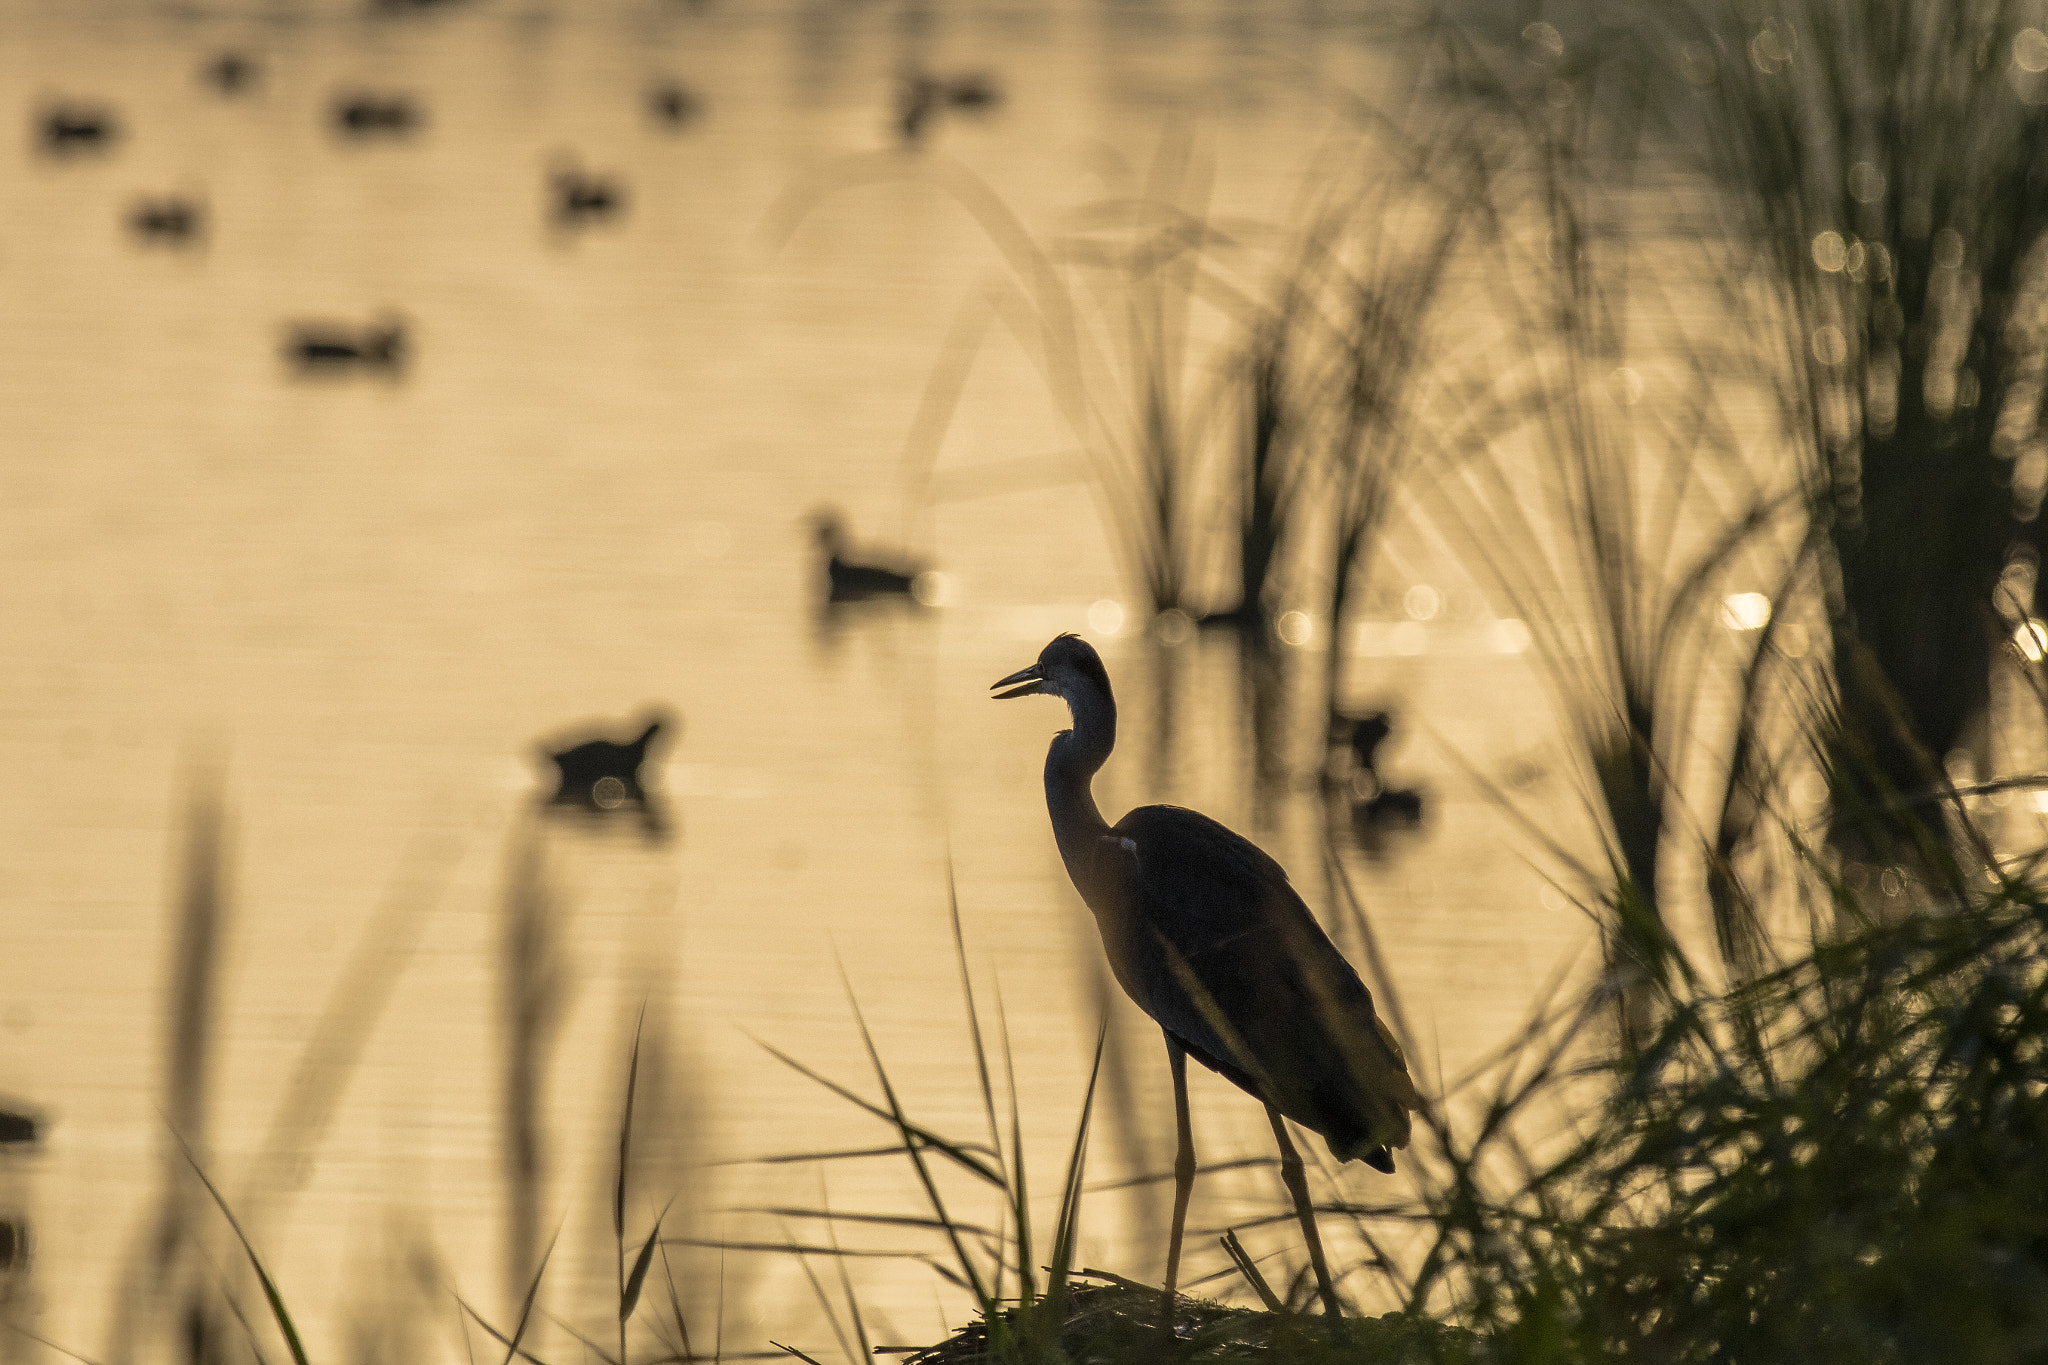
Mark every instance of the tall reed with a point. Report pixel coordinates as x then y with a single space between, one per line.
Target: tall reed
1881 167
1586 450
1125 310
531 998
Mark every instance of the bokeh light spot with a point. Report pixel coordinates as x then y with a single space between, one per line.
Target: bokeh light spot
1544 37
931 588
1745 611
1830 253
1106 617
2030 50
1948 249
2031 640
1422 602
1295 628
1173 626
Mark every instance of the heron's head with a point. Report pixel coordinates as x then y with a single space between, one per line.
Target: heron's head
1065 668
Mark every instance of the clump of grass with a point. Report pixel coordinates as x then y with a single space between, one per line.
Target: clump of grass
1116 1319
1831 1162
1020 1299
1879 170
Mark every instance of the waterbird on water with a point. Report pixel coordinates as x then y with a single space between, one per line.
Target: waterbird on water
231 73
921 96
848 579
173 220
1354 771
326 347
673 105
580 197
1207 936
68 129
603 775
368 115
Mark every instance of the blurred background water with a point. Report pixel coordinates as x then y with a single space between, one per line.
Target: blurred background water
354 603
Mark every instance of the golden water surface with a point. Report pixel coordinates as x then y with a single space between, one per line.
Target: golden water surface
353 605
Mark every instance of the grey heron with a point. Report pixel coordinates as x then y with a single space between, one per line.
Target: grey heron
1207 936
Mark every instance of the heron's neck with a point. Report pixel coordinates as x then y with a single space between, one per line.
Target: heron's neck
1070 764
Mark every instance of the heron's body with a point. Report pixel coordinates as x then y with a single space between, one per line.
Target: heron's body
1208 937
1193 916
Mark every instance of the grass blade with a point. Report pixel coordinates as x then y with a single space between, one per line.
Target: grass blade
277 1308
953 1151
924 1175
532 1292
496 1335
1068 1228
1235 1250
629 1299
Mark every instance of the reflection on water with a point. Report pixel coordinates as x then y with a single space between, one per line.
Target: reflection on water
543 475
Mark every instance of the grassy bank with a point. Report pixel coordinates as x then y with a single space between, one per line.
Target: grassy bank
1839 1160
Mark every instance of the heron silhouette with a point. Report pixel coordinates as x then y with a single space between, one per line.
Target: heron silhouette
1207 936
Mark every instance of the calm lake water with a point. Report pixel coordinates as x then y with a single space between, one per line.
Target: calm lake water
356 604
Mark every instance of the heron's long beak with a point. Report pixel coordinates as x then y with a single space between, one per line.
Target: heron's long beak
1031 679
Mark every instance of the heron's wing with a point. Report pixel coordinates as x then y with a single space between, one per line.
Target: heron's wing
1223 953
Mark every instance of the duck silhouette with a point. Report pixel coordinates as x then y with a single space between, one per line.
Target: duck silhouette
231 73
580 197
673 105
19 1127
368 116
1373 801
848 579
331 348
172 220
921 97
603 775
75 129
411 6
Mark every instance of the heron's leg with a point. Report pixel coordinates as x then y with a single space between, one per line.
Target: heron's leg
1297 1186
1183 1160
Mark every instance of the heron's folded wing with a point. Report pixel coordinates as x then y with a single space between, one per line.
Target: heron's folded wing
1242 971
